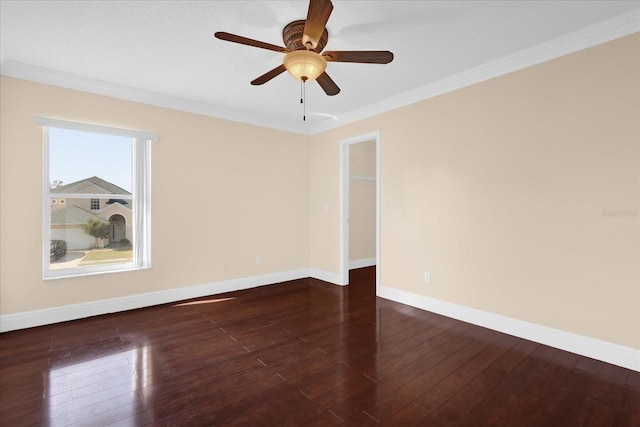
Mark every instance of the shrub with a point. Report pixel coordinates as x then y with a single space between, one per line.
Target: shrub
96 228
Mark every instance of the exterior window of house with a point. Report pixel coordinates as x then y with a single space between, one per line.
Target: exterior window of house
103 223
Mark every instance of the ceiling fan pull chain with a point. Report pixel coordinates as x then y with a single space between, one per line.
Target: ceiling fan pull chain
304 104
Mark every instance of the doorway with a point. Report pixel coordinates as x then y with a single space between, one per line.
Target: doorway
346 178
118 228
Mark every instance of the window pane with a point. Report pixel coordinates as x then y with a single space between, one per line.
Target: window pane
80 238
91 221
75 156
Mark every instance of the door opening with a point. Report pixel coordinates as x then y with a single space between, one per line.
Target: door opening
361 176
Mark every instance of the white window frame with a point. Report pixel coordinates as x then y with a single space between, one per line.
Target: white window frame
140 194
91 204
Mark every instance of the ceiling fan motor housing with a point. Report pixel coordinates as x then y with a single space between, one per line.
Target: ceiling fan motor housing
292 36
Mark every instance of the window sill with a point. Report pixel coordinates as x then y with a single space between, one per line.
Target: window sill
90 271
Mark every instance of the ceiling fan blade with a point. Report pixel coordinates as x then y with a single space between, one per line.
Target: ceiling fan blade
328 85
269 75
360 56
249 42
317 17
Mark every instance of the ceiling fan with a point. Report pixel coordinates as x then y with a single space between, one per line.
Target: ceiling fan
304 41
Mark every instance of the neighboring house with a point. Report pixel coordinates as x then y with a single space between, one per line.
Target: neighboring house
69 215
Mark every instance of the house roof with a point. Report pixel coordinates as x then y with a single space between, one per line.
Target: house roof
112 207
72 215
93 184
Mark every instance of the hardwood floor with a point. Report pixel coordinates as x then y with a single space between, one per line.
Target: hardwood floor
300 353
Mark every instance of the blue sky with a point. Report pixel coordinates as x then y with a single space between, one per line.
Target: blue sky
75 155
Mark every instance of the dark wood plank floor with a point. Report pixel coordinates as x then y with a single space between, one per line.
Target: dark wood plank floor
300 353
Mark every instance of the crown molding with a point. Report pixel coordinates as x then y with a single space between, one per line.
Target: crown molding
592 35
48 76
602 32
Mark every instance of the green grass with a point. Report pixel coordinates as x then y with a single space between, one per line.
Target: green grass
107 255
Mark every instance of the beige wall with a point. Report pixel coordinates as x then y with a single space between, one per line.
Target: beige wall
519 194
362 201
222 192
502 190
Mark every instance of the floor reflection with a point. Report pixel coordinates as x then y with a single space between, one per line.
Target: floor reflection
91 390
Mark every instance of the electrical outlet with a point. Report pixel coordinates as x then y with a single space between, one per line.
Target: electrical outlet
258 260
427 277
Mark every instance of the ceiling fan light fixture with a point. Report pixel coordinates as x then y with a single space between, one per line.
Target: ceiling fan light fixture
305 65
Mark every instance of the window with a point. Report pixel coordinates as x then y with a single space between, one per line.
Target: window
103 222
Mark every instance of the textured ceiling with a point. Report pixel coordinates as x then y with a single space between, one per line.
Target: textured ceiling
167 47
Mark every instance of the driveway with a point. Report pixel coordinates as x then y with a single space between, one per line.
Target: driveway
69 260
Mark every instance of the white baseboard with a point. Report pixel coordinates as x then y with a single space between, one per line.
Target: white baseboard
615 354
602 350
361 263
326 276
29 319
